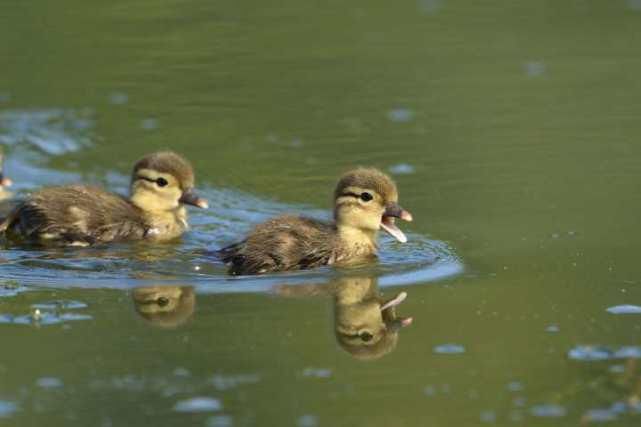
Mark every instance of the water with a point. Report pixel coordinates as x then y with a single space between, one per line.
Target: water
511 129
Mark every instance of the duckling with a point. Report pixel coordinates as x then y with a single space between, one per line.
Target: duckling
165 306
365 200
78 215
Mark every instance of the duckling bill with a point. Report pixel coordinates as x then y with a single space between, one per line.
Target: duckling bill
365 201
162 184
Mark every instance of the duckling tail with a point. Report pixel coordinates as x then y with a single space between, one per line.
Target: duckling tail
6 222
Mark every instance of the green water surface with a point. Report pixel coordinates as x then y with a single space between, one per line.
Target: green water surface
517 124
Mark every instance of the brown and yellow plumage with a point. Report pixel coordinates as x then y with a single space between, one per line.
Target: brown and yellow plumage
82 215
365 200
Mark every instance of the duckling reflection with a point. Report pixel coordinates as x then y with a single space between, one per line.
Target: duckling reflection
165 306
365 323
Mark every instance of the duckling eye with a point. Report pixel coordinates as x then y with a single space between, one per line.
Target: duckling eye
366 197
163 301
366 336
162 182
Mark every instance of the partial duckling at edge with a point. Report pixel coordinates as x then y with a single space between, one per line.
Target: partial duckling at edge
78 215
365 201
4 181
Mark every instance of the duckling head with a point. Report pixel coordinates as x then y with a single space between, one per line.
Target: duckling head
366 199
164 181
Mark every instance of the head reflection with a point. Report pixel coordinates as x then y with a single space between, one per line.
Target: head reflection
165 306
365 323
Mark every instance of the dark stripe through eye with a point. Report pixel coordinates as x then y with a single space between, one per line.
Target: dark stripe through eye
358 196
146 179
365 196
162 182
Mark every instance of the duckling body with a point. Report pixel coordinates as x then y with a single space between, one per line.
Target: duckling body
284 243
364 199
79 215
76 215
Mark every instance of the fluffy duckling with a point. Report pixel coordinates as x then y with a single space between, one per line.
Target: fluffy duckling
165 306
77 215
365 201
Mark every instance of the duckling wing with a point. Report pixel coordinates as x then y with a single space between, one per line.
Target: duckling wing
75 215
282 243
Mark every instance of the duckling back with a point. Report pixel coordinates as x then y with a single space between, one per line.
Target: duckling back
282 243
74 215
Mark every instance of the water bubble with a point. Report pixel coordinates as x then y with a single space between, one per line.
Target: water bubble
317 373
630 352
400 115
624 309
226 382
552 329
430 7
182 372
449 349
198 404
49 382
519 402
429 391
149 124
7 408
515 386
548 410
534 68
118 98
488 417
307 421
600 415
617 369
634 5
220 421
401 169
589 353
